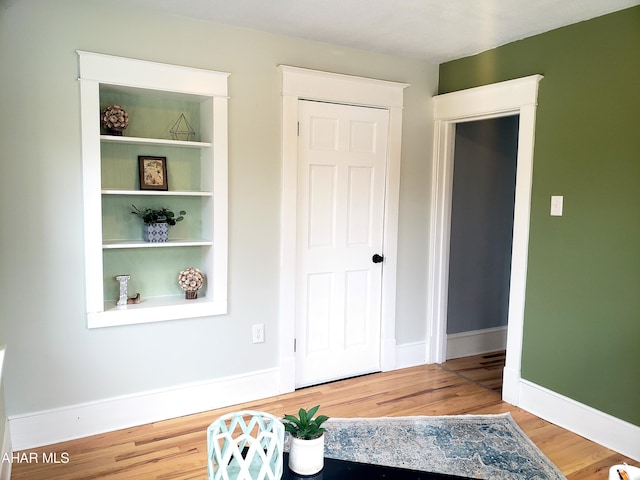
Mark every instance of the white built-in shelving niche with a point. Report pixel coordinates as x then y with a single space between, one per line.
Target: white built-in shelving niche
154 95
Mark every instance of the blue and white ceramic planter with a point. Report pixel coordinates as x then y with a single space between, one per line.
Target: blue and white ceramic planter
156 232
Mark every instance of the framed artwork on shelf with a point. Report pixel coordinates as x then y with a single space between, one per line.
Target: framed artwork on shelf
153 173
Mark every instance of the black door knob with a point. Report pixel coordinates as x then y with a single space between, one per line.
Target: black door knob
377 258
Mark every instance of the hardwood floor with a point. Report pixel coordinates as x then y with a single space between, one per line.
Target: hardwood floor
484 370
176 449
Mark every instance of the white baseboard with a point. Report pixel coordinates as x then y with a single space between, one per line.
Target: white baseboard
476 342
388 355
5 468
77 421
288 374
48 427
411 355
57 425
511 385
602 428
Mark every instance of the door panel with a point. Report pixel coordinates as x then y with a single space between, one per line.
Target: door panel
319 293
360 199
322 205
342 152
357 302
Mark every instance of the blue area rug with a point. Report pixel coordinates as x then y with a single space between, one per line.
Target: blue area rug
476 446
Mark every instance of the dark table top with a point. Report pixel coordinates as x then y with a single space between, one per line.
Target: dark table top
343 469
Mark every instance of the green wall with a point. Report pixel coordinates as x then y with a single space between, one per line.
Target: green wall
582 313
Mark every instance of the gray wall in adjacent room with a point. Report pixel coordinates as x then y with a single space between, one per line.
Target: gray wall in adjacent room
482 224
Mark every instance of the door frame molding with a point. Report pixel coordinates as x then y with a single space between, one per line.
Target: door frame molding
305 84
512 97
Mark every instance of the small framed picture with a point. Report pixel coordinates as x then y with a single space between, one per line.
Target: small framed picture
153 173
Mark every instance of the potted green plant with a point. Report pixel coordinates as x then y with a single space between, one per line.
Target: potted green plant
157 221
306 449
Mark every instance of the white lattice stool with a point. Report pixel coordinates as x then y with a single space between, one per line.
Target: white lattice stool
245 445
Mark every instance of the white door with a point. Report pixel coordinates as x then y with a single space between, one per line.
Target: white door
342 154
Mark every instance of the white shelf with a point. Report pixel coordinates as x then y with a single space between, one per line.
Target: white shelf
155 193
153 141
112 244
155 309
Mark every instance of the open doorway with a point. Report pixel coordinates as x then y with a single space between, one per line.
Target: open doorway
512 97
482 206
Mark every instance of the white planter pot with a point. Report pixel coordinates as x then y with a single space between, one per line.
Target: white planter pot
306 457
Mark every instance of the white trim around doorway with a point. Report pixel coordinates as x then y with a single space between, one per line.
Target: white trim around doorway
513 97
304 84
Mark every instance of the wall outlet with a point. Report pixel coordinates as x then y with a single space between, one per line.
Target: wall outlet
258 333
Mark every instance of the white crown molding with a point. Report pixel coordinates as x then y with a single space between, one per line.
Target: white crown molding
99 67
340 88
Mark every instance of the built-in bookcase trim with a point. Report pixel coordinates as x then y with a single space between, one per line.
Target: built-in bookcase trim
206 91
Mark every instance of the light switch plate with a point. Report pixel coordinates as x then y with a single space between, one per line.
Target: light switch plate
556 205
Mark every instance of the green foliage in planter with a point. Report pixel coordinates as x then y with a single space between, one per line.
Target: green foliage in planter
304 425
158 215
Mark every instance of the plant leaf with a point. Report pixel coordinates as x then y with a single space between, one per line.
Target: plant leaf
312 411
320 419
293 420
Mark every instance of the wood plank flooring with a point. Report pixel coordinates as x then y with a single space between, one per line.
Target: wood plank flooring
176 449
484 370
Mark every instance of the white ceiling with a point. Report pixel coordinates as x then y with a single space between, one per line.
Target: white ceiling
432 30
